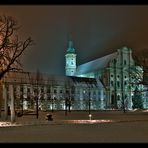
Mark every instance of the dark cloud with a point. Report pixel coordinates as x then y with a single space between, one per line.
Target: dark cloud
96 31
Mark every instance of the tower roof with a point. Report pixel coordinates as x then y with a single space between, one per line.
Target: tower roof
70 47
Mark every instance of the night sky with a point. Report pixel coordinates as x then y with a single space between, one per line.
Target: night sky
96 30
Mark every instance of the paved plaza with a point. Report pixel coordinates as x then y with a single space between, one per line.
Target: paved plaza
78 127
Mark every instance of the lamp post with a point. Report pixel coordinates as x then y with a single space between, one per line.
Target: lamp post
69 101
36 101
37 107
22 99
52 102
37 93
65 105
89 100
37 104
89 103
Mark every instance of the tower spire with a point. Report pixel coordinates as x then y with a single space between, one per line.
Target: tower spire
70 60
70 47
70 44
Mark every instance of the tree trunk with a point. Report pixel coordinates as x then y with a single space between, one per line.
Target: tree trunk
0 105
1 97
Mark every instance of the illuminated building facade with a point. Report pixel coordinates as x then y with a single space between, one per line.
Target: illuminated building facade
53 92
115 74
105 83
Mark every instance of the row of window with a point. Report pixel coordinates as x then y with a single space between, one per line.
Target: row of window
118 76
118 83
61 91
115 61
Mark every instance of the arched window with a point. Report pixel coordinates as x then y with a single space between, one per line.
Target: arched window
112 83
118 97
112 99
124 62
118 84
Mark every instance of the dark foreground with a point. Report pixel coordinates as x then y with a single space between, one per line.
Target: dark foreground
124 128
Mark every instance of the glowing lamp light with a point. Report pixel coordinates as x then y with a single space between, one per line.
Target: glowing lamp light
90 115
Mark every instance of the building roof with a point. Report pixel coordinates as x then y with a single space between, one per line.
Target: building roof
45 79
90 82
95 65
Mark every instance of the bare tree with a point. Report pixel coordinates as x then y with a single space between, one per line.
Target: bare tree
141 59
11 47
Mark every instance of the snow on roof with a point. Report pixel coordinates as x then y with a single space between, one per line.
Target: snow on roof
94 65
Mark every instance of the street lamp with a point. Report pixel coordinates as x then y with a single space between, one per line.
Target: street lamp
22 99
66 101
69 100
89 100
52 103
37 104
90 115
89 103
37 107
69 103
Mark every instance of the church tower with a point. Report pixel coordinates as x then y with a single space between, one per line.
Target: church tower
70 57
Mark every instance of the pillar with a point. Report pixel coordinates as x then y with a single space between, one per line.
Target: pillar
5 102
12 107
